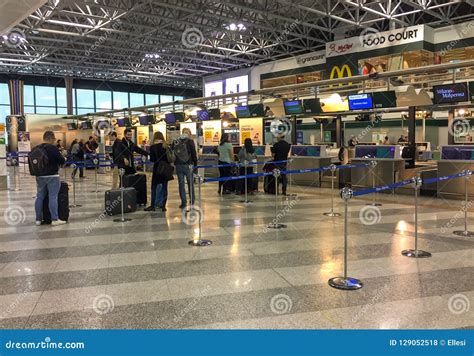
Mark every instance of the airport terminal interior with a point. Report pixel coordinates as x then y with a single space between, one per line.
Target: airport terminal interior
244 164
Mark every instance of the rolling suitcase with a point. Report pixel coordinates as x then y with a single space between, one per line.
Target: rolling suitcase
63 205
113 204
137 181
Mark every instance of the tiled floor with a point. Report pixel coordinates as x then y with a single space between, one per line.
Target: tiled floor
96 273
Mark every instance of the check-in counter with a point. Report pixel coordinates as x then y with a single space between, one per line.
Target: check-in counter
389 169
455 159
308 157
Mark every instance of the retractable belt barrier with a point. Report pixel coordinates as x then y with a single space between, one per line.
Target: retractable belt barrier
239 164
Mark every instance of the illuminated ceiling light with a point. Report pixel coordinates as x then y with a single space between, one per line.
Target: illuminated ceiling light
235 27
152 55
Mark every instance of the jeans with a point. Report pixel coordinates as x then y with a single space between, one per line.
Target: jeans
50 186
81 168
161 195
185 171
225 172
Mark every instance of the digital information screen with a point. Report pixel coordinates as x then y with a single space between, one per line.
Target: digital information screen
170 118
72 126
143 120
458 153
360 102
384 99
202 115
259 150
242 111
312 106
471 90
214 114
450 93
256 110
375 152
86 125
306 151
293 107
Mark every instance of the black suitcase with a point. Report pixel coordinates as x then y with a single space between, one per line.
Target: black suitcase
137 181
63 205
269 184
113 204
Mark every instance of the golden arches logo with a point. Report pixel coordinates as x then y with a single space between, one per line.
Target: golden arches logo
337 72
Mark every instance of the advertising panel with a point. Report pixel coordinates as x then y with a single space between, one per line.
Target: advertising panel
212 132
251 128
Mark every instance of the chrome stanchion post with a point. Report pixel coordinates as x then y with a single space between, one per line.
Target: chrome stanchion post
246 201
14 178
122 217
373 164
275 224
24 163
345 282
331 213
96 164
465 233
74 205
416 253
290 178
197 211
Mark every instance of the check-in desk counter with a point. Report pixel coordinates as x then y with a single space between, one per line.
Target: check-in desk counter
455 159
390 166
308 157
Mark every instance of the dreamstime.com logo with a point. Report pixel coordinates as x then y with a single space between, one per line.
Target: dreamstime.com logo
192 37
100 41
459 127
46 344
103 304
281 304
459 304
193 216
14 215
280 127
370 215
14 38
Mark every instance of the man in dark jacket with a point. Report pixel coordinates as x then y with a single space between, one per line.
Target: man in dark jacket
47 181
116 158
280 152
125 155
186 157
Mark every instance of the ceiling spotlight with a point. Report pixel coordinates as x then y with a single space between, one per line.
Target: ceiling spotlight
236 27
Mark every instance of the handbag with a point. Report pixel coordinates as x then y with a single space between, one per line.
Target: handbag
165 170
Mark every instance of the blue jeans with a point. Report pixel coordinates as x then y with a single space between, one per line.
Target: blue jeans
50 186
161 195
185 171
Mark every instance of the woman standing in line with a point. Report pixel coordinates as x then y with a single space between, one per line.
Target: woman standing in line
226 156
160 155
246 153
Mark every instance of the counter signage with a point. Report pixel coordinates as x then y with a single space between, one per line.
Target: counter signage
299 137
360 102
450 93
251 128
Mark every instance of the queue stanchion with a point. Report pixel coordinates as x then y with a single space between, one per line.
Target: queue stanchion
14 178
373 164
290 179
25 158
246 201
96 168
331 213
74 205
466 232
65 172
275 224
345 282
122 217
416 253
196 212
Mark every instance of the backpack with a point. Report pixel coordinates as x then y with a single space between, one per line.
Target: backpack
38 161
170 155
181 151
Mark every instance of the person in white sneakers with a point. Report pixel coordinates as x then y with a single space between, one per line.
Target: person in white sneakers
44 161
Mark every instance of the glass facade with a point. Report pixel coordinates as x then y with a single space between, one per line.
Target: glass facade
4 102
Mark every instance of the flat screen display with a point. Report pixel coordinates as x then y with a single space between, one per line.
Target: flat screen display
214 114
202 115
293 107
72 126
312 106
170 118
360 102
123 122
86 125
306 151
256 110
471 90
143 120
179 116
259 150
242 111
375 152
460 153
384 99
450 93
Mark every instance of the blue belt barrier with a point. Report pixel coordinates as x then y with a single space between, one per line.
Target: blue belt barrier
240 164
382 188
440 179
222 179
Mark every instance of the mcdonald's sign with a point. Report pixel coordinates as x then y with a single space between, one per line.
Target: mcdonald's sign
344 72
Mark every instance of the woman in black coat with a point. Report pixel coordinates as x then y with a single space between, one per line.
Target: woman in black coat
159 182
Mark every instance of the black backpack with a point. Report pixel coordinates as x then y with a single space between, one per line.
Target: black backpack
181 151
38 160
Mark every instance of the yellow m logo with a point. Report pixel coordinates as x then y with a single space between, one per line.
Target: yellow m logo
337 72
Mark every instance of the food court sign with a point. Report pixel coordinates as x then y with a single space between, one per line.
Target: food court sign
370 39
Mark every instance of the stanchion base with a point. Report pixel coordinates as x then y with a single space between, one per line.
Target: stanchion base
416 254
332 214
291 195
14 189
374 204
200 242
246 201
95 191
122 220
276 226
75 206
345 283
464 233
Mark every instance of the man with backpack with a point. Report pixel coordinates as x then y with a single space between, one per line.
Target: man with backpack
44 161
77 155
185 157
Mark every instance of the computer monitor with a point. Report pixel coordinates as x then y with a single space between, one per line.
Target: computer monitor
312 106
450 93
86 125
123 122
202 115
179 116
293 107
256 110
242 111
360 102
214 114
72 126
170 119
384 99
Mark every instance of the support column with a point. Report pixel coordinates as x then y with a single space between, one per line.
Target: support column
450 127
339 131
412 134
69 94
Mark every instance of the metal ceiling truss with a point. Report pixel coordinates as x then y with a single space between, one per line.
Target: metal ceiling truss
145 40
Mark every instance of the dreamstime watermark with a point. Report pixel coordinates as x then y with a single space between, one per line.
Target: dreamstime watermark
459 127
368 128
282 213
103 126
192 304
369 36
466 29
459 215
284 35
192 37
370 215
14 38
193 216
14 305
103 304
46 344
374 300
459 304
280 127
14 215
116 24
281 304
108 211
